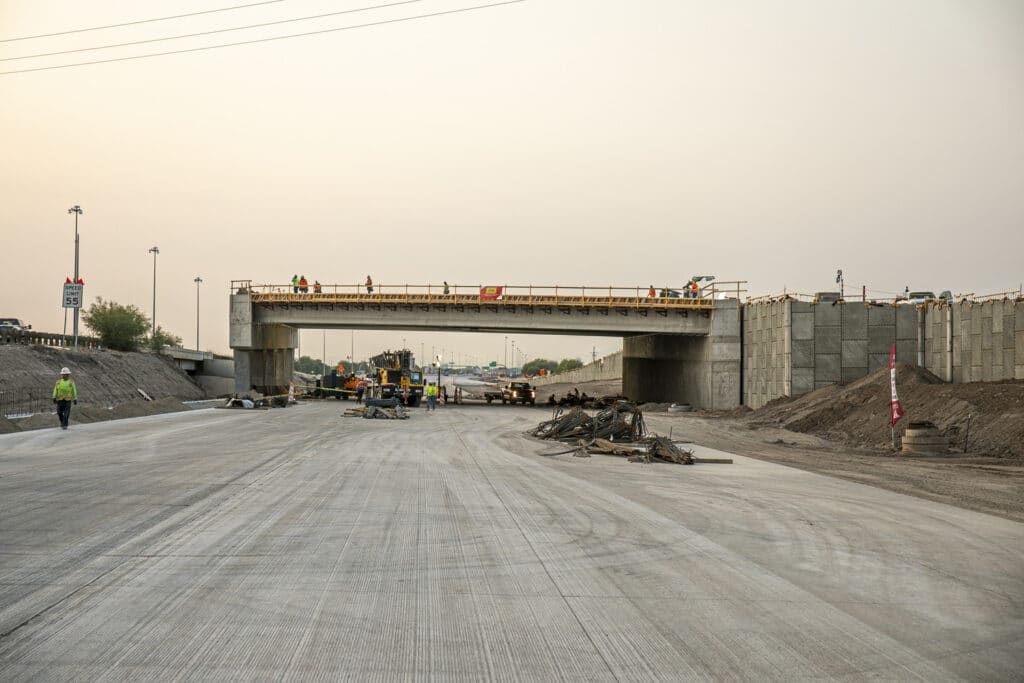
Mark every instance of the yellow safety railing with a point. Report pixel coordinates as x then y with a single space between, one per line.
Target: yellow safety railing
503 295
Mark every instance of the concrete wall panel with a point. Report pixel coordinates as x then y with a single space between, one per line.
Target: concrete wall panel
827 314
827 368
803 325
855 321
882 315
827 340
855 355
906 323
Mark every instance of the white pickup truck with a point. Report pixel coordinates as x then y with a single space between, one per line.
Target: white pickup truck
13 325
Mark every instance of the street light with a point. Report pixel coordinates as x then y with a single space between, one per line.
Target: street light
154 251
77 210
197 281
439 373
506 352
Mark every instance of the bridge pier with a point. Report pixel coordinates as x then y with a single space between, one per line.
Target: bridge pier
703 371
264 353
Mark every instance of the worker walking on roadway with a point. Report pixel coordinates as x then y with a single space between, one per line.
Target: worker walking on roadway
64 394
431 397
369 285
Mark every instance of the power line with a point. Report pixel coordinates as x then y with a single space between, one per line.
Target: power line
140 21
215 31
266 40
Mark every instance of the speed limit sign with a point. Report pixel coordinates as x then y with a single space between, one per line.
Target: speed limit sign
73 295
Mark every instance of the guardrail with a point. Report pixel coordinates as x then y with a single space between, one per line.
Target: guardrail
507 295
47 339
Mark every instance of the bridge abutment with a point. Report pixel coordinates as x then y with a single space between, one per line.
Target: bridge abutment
703 371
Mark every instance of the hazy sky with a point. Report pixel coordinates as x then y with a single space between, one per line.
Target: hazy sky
545 142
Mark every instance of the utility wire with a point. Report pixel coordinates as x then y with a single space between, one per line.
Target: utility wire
214 31
140 21
266 40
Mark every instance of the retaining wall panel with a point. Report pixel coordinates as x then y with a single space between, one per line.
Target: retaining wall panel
827 314
827 340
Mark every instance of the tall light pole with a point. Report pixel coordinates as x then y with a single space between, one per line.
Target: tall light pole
513 341
506 352
154 251
77 210
197 281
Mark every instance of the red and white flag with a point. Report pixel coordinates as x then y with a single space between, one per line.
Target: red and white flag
897 411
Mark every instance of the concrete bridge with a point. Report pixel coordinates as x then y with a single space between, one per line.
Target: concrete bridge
674 348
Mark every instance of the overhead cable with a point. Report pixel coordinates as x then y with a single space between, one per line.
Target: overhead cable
140 21
214 31
266 40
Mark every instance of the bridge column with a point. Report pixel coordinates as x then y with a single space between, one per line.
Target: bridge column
703 371
264 354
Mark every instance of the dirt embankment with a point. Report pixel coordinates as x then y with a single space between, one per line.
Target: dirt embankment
107 382
857 414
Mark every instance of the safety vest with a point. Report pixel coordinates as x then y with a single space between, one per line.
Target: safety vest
303 282
64 390
432 391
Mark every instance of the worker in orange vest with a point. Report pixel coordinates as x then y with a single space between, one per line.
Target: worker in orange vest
303 284
369 285
694 289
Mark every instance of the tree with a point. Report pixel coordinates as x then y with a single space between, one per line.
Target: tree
121 328
162 339
567 364
533 367
310 365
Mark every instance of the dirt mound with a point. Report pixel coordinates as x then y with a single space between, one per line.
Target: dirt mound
858 413
103 378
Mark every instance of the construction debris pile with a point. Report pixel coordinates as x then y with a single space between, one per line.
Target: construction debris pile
375 411
648 449
617 430
622 420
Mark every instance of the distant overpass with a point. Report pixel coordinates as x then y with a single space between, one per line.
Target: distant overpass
668 339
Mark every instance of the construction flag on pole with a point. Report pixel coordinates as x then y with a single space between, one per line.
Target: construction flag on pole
897 411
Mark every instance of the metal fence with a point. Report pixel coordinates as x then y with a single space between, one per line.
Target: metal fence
14 402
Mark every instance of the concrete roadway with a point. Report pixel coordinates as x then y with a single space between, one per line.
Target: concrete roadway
295 544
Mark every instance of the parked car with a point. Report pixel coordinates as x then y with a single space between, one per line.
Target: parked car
13 325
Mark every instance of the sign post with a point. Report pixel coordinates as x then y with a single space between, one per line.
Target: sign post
73 299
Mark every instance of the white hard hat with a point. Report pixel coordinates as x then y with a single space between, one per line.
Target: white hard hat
65 371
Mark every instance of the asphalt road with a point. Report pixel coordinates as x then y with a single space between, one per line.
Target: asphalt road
296 544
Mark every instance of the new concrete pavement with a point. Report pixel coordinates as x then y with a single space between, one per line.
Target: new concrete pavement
296 544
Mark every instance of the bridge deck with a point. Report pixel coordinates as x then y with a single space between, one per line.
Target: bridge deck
269 294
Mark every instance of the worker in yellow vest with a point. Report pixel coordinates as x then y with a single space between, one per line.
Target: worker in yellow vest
64 394
431 396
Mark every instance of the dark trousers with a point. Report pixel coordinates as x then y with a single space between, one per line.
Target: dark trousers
64 413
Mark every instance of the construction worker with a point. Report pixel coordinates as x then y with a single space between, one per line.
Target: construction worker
303 285
431 397
295 283
446 287
651 293
694 289
317 289
64 394
369 285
